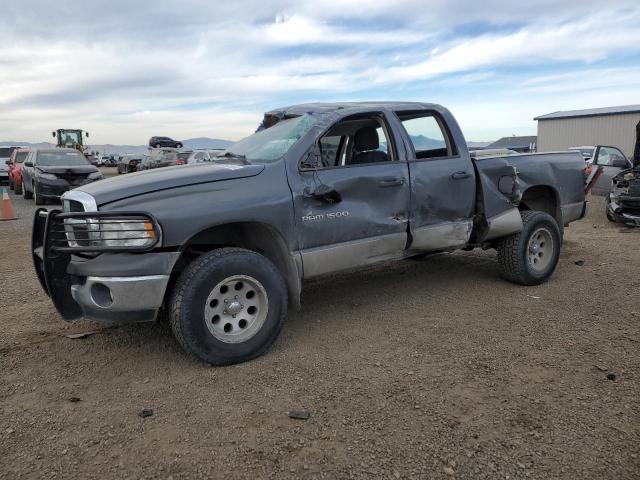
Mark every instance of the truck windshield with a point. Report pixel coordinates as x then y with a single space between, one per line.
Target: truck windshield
269 145
53 159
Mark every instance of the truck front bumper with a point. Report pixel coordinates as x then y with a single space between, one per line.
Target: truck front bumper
131 299
628 214
110 287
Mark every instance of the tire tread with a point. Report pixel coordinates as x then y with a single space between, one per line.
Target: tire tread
512 265
177 299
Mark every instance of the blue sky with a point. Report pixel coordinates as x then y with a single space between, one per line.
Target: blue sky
127 70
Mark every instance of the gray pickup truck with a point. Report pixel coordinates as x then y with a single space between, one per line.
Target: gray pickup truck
223 248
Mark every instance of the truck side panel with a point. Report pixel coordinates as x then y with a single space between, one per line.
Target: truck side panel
504 180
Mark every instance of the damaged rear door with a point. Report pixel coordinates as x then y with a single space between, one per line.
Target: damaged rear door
443 182
351 196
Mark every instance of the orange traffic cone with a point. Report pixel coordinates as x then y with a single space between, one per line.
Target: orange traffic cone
6 209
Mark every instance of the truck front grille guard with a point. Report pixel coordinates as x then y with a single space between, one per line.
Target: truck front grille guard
86 232
52 250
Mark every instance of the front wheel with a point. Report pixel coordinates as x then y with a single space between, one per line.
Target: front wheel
25 194
228 306
530 256
39 199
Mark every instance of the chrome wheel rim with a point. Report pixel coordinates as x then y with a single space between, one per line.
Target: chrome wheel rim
540 250
236 309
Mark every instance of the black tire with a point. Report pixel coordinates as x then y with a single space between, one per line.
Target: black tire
514 253
158 145
190 296
25 194
38 198
178 145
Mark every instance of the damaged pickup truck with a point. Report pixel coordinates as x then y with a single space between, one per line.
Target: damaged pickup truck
623 201
223 248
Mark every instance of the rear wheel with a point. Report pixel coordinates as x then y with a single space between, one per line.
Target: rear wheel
158 145
530 256
178 145
25 194
228 306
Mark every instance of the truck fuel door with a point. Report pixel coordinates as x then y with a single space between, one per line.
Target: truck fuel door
509 185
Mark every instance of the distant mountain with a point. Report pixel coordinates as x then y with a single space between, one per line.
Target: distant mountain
201 142
420 142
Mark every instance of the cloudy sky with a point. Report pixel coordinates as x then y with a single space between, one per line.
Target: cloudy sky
125 71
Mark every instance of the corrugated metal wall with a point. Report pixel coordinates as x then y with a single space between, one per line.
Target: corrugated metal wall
615 130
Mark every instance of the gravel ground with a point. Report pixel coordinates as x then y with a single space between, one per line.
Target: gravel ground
417 369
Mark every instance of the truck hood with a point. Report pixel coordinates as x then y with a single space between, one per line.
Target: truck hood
139 183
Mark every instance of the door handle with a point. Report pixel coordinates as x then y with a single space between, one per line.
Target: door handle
391 182
460 175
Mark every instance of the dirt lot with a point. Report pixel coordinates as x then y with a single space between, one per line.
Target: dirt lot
418 369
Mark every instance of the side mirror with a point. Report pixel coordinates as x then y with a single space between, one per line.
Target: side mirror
28 164
53 134
86 134
8 162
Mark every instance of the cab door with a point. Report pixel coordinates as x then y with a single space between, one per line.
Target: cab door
612 161
443 187
351 208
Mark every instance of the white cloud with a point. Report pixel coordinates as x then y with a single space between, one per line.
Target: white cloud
196 67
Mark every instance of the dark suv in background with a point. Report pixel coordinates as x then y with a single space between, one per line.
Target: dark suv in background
159 142
47 174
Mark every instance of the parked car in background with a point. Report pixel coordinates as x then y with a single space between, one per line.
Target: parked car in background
48 173
5 155
145 163
111 161
165 157
15 169
611 159
159 142
183 157
129 163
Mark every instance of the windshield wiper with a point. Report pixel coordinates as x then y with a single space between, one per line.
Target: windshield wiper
234 156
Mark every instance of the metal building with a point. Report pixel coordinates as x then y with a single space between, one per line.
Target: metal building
613 126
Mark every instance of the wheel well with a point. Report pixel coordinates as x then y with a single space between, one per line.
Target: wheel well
253 236
544 199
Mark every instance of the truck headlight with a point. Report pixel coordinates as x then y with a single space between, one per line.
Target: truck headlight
127 233
47 176
95 176
107 231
